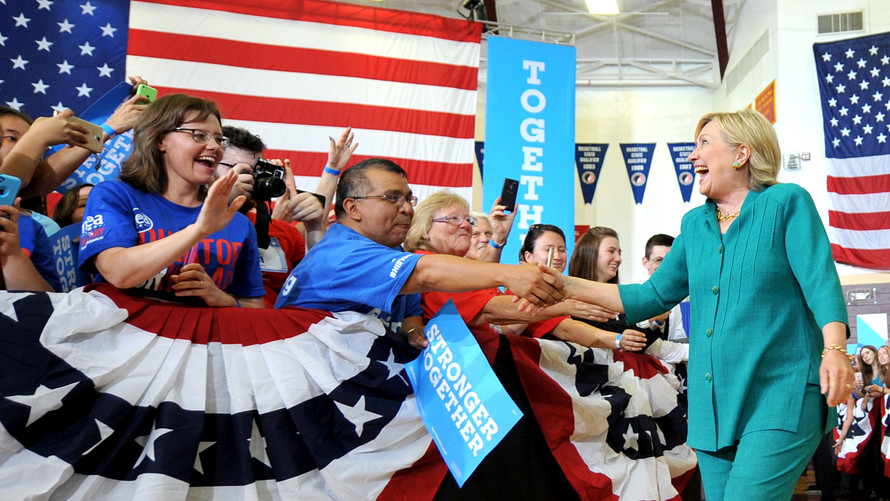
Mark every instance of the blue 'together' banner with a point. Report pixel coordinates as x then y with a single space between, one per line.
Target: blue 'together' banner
530 133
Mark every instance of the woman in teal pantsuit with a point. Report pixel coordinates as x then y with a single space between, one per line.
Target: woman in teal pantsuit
767 314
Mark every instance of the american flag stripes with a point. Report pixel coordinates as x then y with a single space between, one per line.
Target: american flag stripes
297 72
293 71
109 396
854 82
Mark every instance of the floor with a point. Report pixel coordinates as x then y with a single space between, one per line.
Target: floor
801 492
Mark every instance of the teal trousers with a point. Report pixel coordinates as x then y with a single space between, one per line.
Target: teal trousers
765 464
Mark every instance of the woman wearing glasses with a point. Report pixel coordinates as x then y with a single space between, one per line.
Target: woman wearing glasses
442 225
160 229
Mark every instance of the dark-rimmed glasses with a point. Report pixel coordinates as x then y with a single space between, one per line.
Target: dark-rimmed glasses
393 199
204 137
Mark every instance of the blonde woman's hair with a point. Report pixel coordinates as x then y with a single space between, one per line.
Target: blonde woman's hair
423 218
480 215
750 127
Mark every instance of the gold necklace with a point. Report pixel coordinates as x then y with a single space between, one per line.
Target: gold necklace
726 217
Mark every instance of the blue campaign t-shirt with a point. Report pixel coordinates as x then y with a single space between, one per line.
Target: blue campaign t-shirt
349 272
33 239
118 215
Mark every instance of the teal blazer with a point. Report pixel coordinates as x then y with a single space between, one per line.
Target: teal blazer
759 296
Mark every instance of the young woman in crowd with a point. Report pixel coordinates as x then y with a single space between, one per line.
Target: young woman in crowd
70 208
160 229
26 259
597 257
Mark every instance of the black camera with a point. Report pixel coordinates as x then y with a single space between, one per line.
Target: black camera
268 181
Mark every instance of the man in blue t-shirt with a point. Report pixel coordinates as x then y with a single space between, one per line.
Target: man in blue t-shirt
359 264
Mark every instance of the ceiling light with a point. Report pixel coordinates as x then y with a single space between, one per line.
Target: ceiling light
602 6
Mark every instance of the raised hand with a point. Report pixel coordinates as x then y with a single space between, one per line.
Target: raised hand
216 212
341 149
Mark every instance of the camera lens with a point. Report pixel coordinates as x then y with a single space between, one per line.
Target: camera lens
268 187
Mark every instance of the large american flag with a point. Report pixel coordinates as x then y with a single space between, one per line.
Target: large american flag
108 396
854 82
293 71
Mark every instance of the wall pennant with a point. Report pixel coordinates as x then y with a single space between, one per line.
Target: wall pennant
589 159
638 159
480 152
683 167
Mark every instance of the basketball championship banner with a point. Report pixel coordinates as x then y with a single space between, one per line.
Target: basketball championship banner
683 167
638 159
480 152
530 133
589 162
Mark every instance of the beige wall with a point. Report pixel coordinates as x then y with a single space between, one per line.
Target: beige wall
662 115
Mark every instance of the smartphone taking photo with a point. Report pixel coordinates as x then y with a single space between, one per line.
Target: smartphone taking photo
508 193
9 188
94 136
145 90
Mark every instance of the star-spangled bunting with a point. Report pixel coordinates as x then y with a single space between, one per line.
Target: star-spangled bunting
61 54
106 396
854 84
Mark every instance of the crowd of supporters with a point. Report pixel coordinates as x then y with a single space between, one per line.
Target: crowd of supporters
189 221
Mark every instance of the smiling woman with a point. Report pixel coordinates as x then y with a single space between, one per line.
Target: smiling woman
442 224
160 229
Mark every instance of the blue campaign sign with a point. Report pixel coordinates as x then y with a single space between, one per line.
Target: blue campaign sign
589 159
638 159
463 404
683 167
65 250
106 165
530 133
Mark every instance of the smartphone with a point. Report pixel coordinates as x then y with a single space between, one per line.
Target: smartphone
94 136
9 188
321 198
145 90
858 377
508 193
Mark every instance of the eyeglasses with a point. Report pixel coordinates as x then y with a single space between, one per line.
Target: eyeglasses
393 199
204 137
455 220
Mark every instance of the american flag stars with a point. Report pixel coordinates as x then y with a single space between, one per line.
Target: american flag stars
852 76
61 54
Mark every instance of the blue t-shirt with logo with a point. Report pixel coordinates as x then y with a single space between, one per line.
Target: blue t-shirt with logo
349 272
118 215
33 239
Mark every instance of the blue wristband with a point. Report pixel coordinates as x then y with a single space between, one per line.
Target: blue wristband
496 246
108 129
329 170
618 341
237 301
